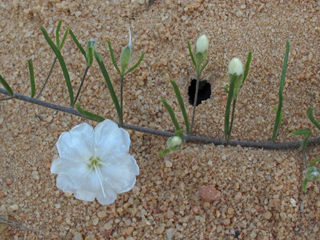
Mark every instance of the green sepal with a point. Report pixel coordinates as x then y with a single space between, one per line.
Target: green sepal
89 115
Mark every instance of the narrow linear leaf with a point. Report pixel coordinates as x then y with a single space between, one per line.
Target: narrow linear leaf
64 38
311 117
228 106
33 86
61 61
90 115
77 43
57 33
304 185
191 55
276 109
204 66
109 84
112 57
306 135
171 113
246 71
136 65
6 85
283 75
182 107
314 162
161 154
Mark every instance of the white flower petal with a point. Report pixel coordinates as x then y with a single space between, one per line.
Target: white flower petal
122 174
65 183
85 195
76 171
110 140
111 195
78 144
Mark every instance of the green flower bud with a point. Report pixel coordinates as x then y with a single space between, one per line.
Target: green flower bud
91 48
126 55
312 173
201 49
236 67
174 143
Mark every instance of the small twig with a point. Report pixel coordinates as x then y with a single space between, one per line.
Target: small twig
45 82
4 221
195 139
195 102
84 76
4 99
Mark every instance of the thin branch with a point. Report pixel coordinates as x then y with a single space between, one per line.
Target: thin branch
195 139
45 82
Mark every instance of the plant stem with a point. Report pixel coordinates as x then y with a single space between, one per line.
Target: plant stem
195 101
305 158
121 98
45 82
195 139
232 117
84 76
4 99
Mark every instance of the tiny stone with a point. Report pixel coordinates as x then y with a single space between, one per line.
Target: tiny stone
14 207
95 221
196 209
9 181
68 194
160 229
59 219
209 194
129 230
168 164
238 196
267 215
239 13
141 2
90 237
226 221
35 175
77 236
102 214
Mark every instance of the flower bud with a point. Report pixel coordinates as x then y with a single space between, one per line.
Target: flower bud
201 49
126 55
312 173
174 143
91 48
236 67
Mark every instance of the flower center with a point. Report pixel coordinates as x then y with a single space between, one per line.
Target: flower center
95 163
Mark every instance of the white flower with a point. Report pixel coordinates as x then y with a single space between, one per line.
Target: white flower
94 163
202 44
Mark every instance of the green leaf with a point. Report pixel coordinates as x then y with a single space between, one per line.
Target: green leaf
191 55
78 44
112 57
246 71
64 38
226 89
228 106
57 33
136 65
180 134
276 109
161 154
109 84
89 115
306 135
171 113
203 67
304 185
6 85
182 107
314 162
311 117
33 87
61 61
283 76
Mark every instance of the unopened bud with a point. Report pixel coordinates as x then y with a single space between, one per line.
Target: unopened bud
126 55
174 143
312 173
201 49
91 48
236 67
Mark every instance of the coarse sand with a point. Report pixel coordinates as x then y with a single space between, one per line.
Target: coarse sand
260 190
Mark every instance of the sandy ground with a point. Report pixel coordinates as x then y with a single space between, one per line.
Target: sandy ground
261 196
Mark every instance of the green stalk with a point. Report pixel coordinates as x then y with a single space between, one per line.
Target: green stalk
195 101
84 76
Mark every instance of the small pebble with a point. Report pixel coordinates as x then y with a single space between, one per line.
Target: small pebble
102 214
168 164
59 219
14 207
239 13
9 181
267 215
77 236
210 194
